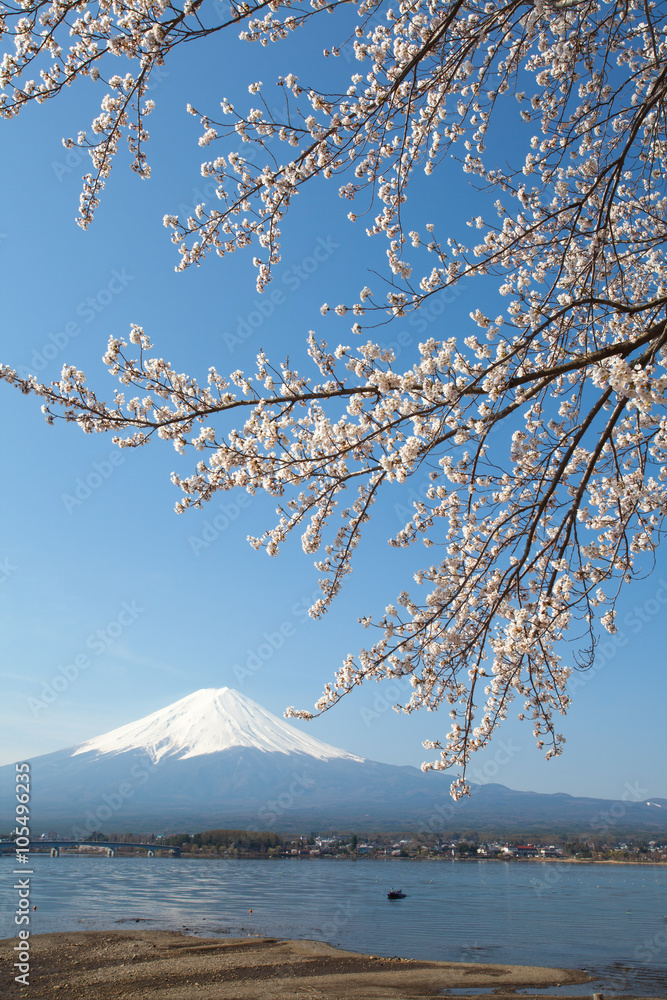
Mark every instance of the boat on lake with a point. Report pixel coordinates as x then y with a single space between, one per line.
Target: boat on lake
395 894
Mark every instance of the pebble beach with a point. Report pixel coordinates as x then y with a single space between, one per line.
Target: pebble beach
166 965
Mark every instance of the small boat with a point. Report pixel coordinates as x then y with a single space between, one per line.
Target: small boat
395 894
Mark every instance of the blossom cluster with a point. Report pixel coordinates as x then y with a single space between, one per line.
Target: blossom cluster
541 431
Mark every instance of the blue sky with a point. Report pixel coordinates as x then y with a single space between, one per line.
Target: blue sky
132 606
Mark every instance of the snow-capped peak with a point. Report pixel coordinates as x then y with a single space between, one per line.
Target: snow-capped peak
208 721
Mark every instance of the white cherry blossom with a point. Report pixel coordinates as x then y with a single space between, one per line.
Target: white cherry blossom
542 434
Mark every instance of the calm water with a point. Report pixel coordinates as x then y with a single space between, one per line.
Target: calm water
609 919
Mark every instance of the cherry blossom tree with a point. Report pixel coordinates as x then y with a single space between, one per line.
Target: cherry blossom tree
541 430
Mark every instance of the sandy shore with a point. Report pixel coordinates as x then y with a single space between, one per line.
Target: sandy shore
163 965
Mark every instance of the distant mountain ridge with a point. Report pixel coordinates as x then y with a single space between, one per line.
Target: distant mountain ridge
218 759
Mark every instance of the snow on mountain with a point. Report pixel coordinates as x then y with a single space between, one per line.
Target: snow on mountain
217 759
207 722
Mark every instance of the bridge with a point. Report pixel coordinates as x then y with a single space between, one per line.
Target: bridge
56 846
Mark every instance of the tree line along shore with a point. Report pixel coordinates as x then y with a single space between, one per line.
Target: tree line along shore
465 846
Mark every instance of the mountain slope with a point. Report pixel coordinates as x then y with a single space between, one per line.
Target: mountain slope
216 759
210 721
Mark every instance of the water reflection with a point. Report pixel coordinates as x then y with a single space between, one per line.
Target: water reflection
578 916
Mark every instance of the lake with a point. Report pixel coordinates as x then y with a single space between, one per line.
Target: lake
604 918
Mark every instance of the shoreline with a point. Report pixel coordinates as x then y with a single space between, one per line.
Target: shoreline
168 965
164 852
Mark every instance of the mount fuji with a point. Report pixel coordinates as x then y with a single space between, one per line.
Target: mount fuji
213 758
217 759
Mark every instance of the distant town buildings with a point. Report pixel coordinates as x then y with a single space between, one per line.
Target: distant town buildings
232 843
